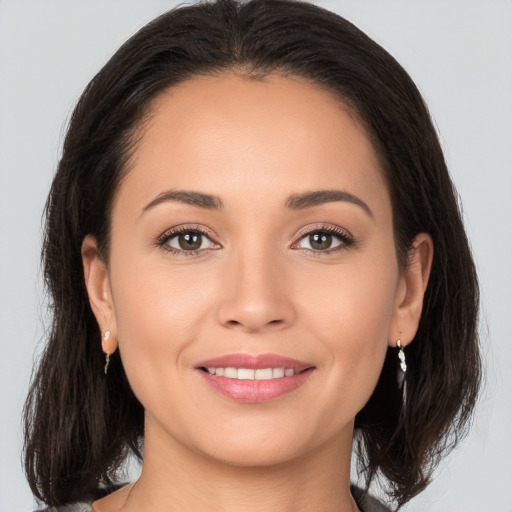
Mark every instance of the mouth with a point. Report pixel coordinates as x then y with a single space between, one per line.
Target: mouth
254 379
251 373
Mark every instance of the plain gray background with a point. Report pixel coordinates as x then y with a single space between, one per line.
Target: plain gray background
459 52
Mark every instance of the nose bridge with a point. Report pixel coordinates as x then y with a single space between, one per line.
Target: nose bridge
256 295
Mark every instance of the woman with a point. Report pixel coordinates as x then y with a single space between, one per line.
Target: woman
252 245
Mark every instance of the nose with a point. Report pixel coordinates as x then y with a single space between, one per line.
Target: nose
256 294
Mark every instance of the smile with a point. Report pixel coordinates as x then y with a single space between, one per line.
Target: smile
254 379
251 373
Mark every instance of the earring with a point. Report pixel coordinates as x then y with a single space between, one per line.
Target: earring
106 336
401 357
400 374
107 361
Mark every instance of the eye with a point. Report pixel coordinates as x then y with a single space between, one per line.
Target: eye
319 241
326 239
186 240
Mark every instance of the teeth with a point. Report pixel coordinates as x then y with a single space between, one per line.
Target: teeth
245 374
263 374
231 373
252 374
277 373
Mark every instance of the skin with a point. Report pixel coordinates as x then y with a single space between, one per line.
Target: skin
256 287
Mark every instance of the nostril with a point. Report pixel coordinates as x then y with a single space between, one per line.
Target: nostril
248 323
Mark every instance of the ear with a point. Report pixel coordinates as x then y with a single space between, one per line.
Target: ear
411 290
97 283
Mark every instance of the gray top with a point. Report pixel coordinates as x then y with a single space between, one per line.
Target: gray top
74 507
365 502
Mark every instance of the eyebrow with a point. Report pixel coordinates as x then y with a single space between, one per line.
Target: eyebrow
310 199
198 199
294 202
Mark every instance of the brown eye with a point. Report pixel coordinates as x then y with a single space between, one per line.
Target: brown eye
325 240
320 241
189 241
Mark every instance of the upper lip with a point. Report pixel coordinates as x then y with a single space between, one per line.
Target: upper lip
260 361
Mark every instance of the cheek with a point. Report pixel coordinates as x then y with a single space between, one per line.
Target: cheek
354 301
158 314
154 299
350 310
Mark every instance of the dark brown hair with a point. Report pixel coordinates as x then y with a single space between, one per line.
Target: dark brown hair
79 424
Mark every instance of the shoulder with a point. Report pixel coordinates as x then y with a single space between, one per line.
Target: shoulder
86 504
367 503
364 501
73 507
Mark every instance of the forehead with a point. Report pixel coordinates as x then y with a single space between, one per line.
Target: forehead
226 134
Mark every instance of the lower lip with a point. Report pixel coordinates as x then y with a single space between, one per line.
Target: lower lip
255 391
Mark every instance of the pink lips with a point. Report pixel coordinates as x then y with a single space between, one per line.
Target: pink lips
255 391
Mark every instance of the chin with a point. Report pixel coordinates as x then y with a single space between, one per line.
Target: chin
246 455
260 445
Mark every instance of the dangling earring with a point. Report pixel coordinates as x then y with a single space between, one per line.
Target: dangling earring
106 336
401 357
400 375
107 361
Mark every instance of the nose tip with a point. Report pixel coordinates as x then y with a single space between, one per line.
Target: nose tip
255 298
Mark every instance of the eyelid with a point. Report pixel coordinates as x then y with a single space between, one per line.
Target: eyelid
345 236
187 228
332 228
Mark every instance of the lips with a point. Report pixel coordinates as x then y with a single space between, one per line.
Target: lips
254 379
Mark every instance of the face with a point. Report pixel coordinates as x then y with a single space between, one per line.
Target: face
251 238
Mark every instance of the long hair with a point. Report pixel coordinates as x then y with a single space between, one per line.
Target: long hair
79 425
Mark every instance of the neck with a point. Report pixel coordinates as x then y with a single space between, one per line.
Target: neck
174 478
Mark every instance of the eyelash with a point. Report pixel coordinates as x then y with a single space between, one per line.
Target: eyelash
347 240
344 236
173 232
